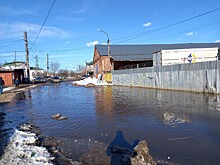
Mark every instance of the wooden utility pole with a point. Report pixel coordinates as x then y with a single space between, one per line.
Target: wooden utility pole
47 63
15 60
27 67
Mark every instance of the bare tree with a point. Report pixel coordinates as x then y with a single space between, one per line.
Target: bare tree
81 69
54 66
72 73
63 73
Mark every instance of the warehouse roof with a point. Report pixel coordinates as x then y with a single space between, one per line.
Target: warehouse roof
145 52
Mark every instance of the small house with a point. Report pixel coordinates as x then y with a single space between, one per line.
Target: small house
35 72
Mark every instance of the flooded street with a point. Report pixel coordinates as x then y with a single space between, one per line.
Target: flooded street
179 127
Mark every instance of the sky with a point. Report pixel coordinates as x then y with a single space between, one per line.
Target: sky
66 30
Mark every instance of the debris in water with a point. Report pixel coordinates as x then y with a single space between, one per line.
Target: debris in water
58 116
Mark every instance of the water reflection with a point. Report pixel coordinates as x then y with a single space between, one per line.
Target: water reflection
173 122
184 126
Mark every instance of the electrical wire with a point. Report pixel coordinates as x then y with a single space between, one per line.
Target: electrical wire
43 24
11 43
182 32
53 51
128 37
164 27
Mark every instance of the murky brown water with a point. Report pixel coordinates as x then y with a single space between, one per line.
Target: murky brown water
180 125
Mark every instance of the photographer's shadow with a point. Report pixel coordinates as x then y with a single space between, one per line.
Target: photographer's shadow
120 150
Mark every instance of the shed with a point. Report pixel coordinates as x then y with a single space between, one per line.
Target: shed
9 75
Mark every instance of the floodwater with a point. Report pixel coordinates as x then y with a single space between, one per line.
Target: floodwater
179 127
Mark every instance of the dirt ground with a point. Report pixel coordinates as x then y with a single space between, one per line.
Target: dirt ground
8 95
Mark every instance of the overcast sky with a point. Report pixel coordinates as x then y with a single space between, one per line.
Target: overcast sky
70 30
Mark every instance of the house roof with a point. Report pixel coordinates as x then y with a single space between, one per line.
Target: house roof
145 52
35 68
6 70
13 63
89 63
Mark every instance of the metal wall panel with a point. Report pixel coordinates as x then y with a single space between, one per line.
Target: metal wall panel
199 77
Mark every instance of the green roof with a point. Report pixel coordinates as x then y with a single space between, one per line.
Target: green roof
89 63
35 68
13 63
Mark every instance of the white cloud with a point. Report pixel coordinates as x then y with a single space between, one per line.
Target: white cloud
217 41
81 9
17 29
147 24
13 11
23 12
92 43
67 42
69 19
190 34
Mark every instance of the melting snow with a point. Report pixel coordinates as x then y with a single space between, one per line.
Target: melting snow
21 150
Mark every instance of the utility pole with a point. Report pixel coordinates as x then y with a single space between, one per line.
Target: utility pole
15 60
36 62
27 67
47 64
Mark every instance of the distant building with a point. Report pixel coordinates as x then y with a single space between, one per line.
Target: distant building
134 56
35 72
14 65
89 68
10 71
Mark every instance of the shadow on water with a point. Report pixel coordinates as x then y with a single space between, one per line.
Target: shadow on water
120 150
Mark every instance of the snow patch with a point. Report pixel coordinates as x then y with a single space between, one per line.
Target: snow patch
90 80
22 150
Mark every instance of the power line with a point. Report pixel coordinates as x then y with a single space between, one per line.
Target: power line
43 24
185 31
11 43
53 51
163 27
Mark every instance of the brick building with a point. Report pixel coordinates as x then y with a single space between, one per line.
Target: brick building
121 56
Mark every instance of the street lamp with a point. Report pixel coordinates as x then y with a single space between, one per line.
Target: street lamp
108 42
